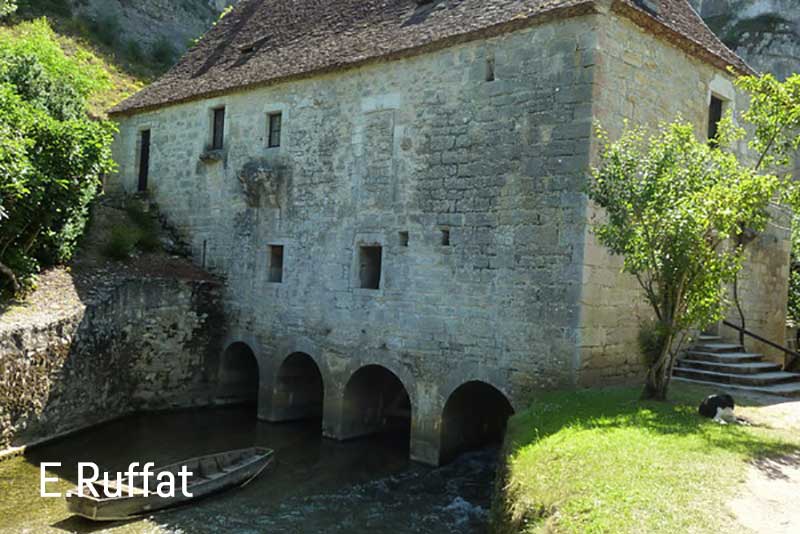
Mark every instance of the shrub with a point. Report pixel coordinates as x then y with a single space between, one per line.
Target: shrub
7 7
148 228
122 242
163 53
107 29
51 154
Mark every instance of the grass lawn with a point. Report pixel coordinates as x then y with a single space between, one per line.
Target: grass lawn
602 461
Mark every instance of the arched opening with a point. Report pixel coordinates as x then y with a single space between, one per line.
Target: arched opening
238 376
376 401
298 392
474 416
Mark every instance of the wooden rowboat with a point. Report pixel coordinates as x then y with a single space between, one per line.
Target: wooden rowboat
210 474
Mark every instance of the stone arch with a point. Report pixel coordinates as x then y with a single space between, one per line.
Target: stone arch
475 415
375 400
238 378
298 390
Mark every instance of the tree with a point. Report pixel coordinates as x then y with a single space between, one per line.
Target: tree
774 114
672 201
51 154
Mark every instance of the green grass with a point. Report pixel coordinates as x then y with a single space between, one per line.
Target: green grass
600 461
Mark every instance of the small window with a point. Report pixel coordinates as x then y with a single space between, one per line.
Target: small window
490 69
445 237
403 239
274 130
144 160
370 267
715 109
218 133
276 264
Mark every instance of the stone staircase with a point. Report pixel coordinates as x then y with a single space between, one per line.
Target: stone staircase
710 361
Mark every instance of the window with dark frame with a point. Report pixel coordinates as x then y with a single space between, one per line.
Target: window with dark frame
274 130
276 264
445 237
218 134
370 258
715 110
403 239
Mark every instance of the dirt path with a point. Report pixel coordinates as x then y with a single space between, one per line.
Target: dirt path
768 502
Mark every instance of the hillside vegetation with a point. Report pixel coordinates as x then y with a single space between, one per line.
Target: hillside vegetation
52 152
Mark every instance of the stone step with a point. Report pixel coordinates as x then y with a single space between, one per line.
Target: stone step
755 379
782 390
717 347
726 357
709 338
736 368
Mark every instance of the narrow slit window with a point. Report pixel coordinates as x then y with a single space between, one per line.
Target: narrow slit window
715 111
445 237
403 239
370 259
218 129
144 160
276 264
490 69
275 120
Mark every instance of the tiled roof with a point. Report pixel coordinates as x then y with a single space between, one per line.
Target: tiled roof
266 41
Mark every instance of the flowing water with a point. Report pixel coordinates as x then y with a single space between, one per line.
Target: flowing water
316 485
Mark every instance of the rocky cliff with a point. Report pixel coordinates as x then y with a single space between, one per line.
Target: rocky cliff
147 24
766 33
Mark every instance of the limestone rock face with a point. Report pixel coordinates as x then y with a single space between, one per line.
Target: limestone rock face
149 23
766 33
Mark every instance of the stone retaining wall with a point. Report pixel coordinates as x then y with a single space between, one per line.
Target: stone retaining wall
152 344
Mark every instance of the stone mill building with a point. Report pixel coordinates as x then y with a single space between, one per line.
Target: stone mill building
392 191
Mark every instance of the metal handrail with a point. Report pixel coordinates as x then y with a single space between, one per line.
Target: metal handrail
794 355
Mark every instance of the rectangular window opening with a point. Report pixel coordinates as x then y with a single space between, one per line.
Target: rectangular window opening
445 237
403 239
275 120
715 111
370 258
490 69
144 160
276 264
218 134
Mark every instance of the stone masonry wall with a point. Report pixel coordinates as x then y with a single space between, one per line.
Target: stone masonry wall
419 145
152 344
647 81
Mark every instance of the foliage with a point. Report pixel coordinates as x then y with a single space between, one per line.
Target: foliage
51 156
599 461
7 7
122 242
140 231
671 201
775 113
163 53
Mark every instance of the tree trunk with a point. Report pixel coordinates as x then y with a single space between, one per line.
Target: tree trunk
658 376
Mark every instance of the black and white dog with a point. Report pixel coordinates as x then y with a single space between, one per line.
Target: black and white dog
719 408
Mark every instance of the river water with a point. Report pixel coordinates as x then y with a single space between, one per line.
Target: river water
316 485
